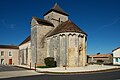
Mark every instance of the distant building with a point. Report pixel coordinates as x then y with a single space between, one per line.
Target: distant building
116 56
9 54
100 58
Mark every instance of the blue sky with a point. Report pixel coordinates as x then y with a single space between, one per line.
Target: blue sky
100 19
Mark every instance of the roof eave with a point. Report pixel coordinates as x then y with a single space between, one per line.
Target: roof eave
55 11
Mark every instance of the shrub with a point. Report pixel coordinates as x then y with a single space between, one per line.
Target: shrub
100 62
49 61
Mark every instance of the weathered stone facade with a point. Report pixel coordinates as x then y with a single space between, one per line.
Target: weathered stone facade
24 53
67 49
57 37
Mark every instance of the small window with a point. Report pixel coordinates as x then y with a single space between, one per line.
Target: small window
116 59
2 53
10 53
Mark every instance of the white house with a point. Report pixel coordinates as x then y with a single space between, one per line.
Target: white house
116 56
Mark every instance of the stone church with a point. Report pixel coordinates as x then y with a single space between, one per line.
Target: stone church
57 36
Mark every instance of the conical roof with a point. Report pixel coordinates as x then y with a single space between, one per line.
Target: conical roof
67 26
56 8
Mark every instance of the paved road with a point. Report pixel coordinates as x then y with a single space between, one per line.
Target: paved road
112 75
7 71
4 68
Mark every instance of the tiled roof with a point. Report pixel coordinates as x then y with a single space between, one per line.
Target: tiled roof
56 8
100 55
26 40
9 47
67 26
41 21
115 49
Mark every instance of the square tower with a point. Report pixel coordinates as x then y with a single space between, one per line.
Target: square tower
56 15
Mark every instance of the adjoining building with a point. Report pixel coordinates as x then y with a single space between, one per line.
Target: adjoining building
25 51
9 54
100 59
58 37
116 56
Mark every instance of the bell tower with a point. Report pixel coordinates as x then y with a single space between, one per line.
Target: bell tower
56 15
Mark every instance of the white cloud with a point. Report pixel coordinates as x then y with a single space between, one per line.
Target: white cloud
7 25
107 25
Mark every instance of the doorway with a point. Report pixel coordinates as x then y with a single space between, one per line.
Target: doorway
10 61
2 61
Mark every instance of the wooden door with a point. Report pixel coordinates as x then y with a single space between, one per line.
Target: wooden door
10 61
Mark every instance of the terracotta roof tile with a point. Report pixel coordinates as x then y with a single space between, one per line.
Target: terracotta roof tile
100 55
67 26
9 47
42 21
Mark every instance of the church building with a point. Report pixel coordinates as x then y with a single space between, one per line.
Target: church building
58 37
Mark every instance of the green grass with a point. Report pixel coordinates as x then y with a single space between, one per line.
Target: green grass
44 67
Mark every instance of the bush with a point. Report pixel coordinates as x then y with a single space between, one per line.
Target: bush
49 61
100 62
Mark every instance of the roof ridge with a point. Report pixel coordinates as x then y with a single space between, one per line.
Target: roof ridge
56 8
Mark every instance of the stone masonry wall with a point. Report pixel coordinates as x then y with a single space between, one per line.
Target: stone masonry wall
42 30
54 18
67 49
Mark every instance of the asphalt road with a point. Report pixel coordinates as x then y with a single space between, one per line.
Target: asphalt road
112 75
15 71
4 68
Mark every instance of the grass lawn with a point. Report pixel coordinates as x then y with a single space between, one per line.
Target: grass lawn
44 67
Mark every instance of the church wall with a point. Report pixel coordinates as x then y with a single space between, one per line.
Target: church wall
80 61
84 51
33 44
63 50
76 49
71 51
68 49
42 30
53 49
57 50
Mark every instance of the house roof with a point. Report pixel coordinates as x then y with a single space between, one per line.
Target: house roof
115 49
9 47
26 40
100 55
42 21
67 26
56 8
